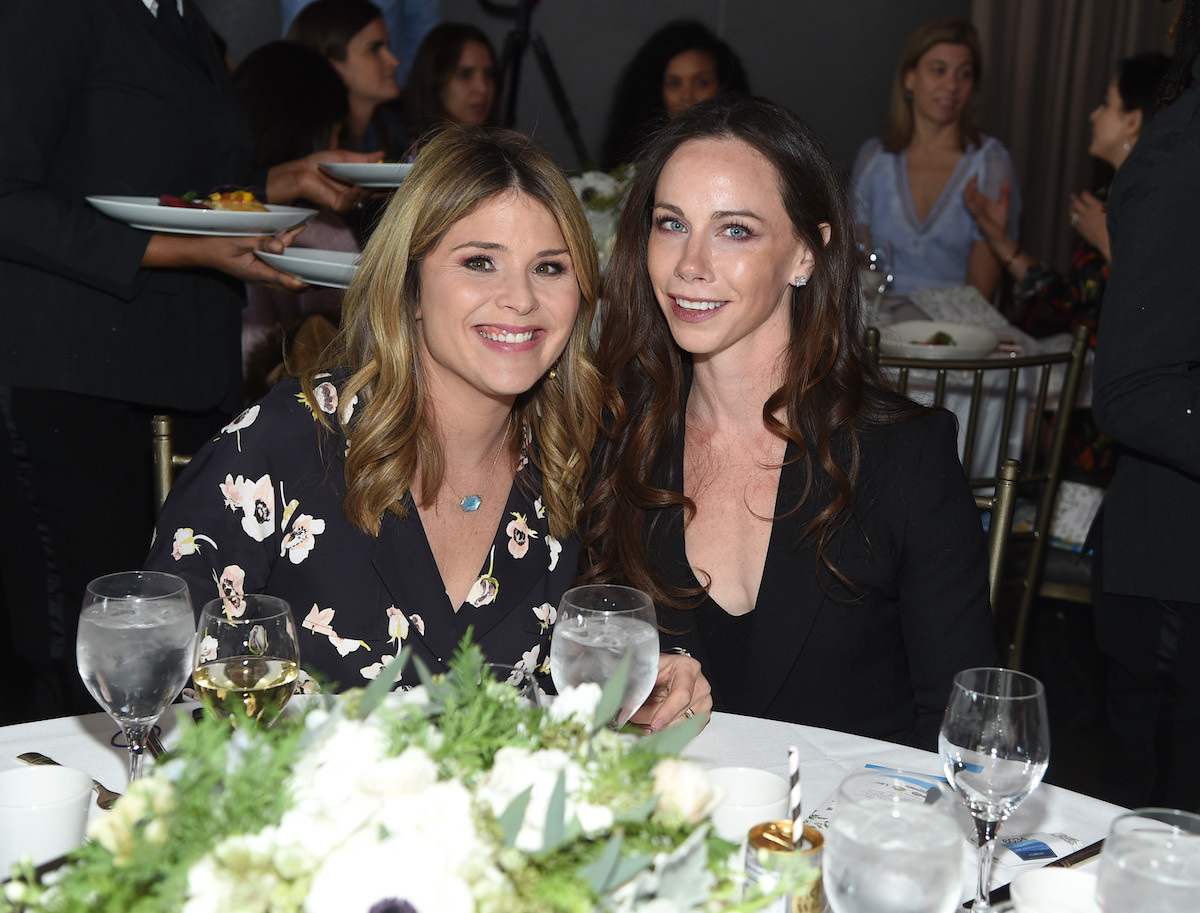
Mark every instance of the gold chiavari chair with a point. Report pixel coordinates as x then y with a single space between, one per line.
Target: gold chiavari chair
166 460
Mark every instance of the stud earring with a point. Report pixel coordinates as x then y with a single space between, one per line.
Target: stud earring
800 281
553 373
1127 147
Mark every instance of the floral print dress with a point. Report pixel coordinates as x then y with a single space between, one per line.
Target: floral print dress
259 510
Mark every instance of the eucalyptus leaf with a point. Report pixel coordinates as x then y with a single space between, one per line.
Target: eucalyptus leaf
613 693
556 812
511 819
375 692
627 867
638 813
673 739
597 871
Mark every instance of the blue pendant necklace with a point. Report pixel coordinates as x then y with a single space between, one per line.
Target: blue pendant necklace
472 503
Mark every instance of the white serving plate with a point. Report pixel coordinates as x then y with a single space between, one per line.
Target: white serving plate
333 268
146 213
907 340
370 174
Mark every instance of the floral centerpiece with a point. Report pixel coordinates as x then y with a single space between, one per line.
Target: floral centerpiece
455 796
602 194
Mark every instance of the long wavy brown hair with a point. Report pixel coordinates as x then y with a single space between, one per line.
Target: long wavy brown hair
827 385
391 429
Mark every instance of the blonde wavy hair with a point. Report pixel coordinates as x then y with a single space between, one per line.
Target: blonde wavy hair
391 429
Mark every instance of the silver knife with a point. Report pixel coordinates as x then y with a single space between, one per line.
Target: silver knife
105 797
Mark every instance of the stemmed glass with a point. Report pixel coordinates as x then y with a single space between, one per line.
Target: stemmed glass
597 625
874 268
247 658
891 847
995 746
1151 862
134 649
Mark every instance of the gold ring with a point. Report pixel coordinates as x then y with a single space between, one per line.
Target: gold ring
688 713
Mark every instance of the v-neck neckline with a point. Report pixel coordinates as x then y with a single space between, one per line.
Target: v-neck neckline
904 189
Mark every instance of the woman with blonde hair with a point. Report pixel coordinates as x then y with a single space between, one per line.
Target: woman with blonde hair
426 480
907 185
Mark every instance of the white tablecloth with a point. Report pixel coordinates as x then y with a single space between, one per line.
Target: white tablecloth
729 740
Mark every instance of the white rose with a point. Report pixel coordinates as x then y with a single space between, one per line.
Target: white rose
579 702
684 791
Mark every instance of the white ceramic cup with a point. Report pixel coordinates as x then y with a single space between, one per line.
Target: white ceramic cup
43 813
752 796
1054 890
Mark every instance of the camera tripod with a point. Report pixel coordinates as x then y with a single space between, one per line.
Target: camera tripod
516 42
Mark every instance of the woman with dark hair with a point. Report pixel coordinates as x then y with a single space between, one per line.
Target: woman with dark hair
351 35
454 80
907 185
679 65
289 119
808 536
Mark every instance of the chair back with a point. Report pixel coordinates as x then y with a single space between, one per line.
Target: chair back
1042 453
166 460
1000 505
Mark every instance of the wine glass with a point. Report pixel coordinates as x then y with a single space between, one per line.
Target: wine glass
874 268
995 745
1151 862
247 658
134 649
890 848
597 625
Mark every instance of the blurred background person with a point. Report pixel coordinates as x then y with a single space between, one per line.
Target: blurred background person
290 118
352 36
455 79
907 185
1145 577
681 64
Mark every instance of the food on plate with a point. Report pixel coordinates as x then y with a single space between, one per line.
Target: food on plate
940 338
230 201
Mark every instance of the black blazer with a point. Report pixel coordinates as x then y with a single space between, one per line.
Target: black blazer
878 662
98 99
1146 382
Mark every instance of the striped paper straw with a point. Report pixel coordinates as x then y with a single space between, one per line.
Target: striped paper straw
794 795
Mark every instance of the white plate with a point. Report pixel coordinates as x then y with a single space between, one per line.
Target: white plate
370 174
334 268
146 213
907 340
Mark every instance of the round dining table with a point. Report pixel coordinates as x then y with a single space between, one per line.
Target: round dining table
826 756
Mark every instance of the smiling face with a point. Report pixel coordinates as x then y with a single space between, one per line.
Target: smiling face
369 70
1113 127
941 83
723 251
498 301
689 79
470 91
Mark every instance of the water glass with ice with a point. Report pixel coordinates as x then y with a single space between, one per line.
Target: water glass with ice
134 649
1151 863
888 850
597 626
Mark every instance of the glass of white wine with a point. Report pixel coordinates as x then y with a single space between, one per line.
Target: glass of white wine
247 658
597 625
134 648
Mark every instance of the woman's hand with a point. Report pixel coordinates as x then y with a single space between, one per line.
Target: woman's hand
302 179
990 215
231 255
680 687
1088 218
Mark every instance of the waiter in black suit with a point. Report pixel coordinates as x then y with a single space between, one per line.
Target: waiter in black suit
1146 577
103 324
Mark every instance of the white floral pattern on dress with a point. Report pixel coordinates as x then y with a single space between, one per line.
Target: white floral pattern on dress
187 542
327 397
519 534
397 625
546 615
555 550
372 671
484 590
301 538
231 584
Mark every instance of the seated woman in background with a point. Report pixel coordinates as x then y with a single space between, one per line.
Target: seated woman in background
907 185
351 35
806 534
429 480
290 118
454 80
681 64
